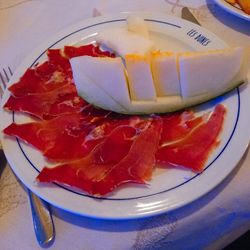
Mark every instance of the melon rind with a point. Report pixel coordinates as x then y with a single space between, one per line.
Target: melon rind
97 95
161 105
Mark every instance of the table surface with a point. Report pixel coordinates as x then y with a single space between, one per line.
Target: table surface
211 222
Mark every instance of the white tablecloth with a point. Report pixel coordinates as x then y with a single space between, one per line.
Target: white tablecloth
211 222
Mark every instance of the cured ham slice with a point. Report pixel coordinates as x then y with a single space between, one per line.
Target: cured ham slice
176 126
87 50
135 164
47 91
54 73
138 165
46 77
193 150
70 136
45 106
58 139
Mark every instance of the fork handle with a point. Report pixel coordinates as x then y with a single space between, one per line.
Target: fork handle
42 220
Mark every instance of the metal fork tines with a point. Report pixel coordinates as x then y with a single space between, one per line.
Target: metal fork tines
42 220
5 77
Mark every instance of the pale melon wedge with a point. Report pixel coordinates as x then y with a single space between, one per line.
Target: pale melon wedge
165 73
209 72
140 78
101 81
138 25
123 41
92 78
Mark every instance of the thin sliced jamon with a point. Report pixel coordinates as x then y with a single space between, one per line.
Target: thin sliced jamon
176 126
138 165
194 149
47 105
86 50
44 91
61 138
70 136
52 74
58 59
99 178
55 72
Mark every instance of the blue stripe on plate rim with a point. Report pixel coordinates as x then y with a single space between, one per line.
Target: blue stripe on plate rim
137 197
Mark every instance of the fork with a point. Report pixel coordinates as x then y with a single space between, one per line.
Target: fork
4 79
42 220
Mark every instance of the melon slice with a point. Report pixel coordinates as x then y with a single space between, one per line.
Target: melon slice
138 25
101 81
131 39
209 72
123 41
92 77
165 73
140 78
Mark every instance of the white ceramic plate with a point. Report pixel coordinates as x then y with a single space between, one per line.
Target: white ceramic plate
169 189
233 9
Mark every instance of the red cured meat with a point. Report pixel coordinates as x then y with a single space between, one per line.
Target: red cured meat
178 125
57 59
135 164
70 136
48 105
193 150
47 90
86 50
58 139
139 163
54 73
44 78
